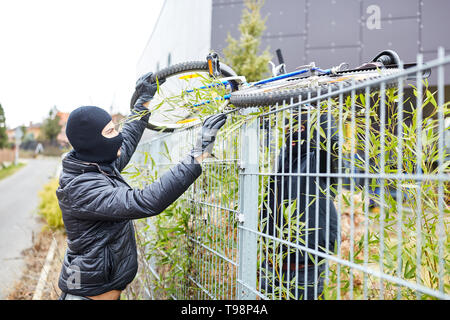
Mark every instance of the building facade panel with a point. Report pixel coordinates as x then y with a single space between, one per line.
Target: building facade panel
226 16
292 48
391 9
330 57
334 30
400 35
435 24
331 23
182 32
432 80
285 17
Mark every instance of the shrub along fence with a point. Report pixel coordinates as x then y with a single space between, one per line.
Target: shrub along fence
349 187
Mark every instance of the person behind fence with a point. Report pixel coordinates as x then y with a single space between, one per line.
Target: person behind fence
293 203
98 205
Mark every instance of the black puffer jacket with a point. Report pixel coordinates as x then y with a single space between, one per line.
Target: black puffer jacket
98 205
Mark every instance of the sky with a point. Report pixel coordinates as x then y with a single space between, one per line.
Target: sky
69 53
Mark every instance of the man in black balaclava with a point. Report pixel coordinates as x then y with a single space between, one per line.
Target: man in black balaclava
85 131
98 205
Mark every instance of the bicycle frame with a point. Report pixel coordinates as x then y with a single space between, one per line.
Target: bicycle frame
309 68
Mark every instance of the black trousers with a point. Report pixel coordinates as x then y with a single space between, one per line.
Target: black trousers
68 296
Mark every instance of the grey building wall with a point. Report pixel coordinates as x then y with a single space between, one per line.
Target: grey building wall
178 37
329 32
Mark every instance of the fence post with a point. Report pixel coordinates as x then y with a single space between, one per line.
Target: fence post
248 204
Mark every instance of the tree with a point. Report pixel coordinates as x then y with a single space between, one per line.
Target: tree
242 55
3 136
51 127
24 132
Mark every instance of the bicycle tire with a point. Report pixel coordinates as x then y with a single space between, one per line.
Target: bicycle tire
265 96
189 66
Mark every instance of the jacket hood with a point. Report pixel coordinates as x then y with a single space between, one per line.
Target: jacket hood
76 166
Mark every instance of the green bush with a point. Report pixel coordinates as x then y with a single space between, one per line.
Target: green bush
48 205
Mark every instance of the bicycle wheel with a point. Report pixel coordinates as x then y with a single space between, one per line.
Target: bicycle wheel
173 106
294 89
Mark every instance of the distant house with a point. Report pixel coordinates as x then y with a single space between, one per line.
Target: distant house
10 134
34 129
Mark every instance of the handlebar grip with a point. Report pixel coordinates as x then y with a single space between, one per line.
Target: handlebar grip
280 56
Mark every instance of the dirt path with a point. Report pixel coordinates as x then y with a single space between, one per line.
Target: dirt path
18 223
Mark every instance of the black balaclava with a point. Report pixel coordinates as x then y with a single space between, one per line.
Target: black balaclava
84 131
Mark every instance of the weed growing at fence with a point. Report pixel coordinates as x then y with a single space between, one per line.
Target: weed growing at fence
392 221
167 242
181 244
405 233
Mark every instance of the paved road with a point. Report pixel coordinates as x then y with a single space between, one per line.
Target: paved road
18 204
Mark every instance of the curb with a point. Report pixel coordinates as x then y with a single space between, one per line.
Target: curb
44 272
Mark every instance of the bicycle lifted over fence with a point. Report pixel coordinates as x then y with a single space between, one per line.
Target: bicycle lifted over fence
179 100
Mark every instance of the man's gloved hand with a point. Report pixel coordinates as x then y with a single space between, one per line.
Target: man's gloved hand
145 89
207 135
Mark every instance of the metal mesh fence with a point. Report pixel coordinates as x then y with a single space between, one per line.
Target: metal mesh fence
339 196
